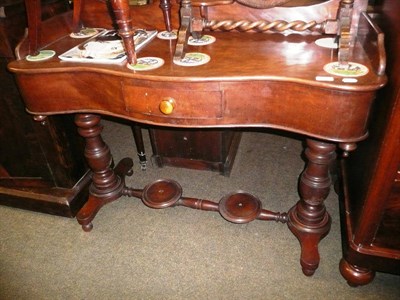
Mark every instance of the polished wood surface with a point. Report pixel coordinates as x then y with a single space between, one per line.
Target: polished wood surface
286 64
252 80
371 209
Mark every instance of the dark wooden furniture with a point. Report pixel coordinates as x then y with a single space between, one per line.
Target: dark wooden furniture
213 150
41 165
371 198
268 80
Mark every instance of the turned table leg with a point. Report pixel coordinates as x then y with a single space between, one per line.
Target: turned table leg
308 219
106 185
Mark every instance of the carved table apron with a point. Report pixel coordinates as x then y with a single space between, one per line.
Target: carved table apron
264 80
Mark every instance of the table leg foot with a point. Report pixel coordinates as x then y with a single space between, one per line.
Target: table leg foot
309 238
87 213
87 227
124 168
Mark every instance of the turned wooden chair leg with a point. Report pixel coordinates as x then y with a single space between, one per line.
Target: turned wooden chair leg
308 219
138 137
165 6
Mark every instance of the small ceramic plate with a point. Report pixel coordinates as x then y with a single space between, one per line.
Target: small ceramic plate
327 43
84 33
204 40
193 59
146 63
168 35
43 55
351 70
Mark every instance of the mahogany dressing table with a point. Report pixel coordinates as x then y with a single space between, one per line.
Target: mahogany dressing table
254 79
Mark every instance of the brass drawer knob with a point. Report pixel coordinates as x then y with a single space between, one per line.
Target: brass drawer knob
167 106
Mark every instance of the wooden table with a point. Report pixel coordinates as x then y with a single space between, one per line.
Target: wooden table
253 80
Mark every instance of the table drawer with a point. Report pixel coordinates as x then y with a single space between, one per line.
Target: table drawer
185 103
